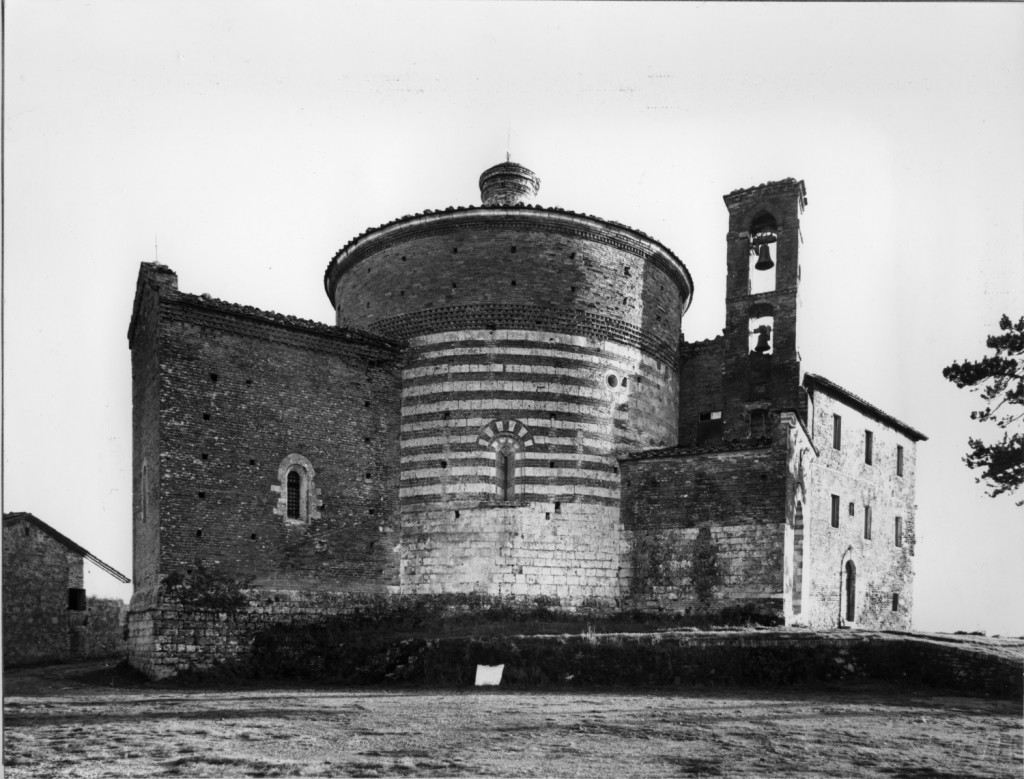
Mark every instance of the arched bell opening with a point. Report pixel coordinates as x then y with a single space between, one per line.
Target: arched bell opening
764 237
760 332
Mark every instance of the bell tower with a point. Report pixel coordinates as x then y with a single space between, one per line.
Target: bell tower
761 365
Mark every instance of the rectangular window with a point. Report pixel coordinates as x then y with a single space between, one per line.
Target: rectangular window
837 431
76 599
835 511
867 523
709 426
895 602
758 422
899 531
869 439
899 460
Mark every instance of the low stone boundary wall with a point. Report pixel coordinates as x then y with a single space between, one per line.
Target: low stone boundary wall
721 658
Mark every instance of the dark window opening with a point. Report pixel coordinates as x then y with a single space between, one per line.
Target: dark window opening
253 537
444 463
899 460
835 511
613 380
201 494
867 523
213 377
76 599
506 465
869 440
206 456
709 426
852 509
558 505
837 431
899 531
206 416
851 591
294 483
759 422
895 601
252 462
199 534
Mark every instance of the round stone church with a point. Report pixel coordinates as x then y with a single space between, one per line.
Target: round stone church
506 406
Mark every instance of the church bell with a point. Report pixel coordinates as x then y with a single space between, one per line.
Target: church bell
764 258
762 339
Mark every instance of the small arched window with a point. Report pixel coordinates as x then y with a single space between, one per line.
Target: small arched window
298 499
294 504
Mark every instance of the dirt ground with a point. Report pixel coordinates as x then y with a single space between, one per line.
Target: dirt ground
86 720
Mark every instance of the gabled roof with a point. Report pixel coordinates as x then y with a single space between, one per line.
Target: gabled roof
813 382
23 516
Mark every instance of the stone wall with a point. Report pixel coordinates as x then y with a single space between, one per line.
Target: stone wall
106 634
708 528
883 568
37 573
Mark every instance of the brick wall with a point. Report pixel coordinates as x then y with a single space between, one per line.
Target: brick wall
513 269
882 568
154 281
37 573
238 396
700 387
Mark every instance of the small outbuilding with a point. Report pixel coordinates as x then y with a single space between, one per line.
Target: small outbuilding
46 613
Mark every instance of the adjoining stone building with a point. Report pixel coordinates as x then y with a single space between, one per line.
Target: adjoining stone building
47 615
506 406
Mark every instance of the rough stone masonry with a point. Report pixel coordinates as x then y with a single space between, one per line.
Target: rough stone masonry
506 406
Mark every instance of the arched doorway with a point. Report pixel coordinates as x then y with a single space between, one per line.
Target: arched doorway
850 590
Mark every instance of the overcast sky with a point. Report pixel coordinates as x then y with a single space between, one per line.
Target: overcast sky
251 140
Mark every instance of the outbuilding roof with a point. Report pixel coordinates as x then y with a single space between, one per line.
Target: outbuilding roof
814 382
14 517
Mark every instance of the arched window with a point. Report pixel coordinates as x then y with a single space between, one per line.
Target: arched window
509 439
298 499
294 482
